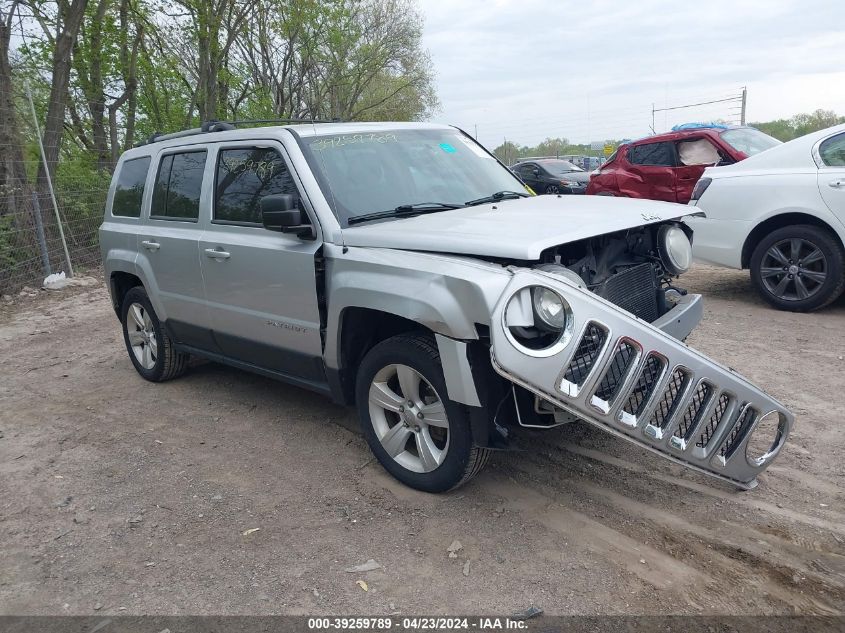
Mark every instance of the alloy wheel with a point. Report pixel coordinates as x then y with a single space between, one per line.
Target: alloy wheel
409 418
552 189
142 336
793 269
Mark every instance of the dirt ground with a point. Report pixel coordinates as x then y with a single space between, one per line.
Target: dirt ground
121 496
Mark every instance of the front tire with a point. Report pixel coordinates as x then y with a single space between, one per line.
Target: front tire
150 348
552 189
799 268
418 435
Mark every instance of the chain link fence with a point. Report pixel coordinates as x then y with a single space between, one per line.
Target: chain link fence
30 240
34 216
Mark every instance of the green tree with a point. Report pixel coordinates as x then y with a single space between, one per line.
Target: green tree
507 152
552 147
800 124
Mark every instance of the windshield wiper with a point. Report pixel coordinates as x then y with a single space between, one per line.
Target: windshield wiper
406 210
499 195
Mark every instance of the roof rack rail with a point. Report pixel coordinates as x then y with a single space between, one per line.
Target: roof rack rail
223 126
265 121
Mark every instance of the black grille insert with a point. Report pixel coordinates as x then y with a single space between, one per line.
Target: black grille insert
737 434
645 385
670 399
586 355
623 358
697 405
713 422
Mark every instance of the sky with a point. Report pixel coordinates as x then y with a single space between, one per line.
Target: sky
592 70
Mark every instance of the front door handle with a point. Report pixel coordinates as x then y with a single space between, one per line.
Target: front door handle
150 245
213 253
837 184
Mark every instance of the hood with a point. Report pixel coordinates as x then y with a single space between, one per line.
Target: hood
513 229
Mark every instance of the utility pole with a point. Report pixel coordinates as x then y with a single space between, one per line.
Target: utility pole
49 181
742 114
652 119
476 131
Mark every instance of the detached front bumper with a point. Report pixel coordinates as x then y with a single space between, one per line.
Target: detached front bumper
683 318
638 381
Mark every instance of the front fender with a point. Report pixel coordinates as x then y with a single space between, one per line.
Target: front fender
635 381
447 295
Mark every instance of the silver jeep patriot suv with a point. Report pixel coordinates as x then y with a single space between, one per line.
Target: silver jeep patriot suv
402 269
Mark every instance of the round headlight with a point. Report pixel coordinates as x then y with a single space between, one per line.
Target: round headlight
538 321
549 308
675 249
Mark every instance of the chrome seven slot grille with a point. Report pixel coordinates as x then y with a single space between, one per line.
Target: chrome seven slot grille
692 413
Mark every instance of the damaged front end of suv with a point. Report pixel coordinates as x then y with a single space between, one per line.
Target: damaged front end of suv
585 330
594 332
606 367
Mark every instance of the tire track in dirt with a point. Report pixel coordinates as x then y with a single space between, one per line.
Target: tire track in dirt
729 547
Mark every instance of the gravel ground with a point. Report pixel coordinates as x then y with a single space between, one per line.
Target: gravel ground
227 493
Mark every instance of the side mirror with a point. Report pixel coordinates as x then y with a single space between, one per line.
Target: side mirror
281 212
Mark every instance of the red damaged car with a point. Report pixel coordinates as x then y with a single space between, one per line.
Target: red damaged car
667 166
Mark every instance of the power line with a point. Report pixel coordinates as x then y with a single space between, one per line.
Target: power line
693 105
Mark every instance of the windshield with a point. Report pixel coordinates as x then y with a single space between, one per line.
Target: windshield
370 172
559 166
749 140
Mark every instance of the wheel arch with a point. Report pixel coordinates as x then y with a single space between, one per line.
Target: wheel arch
121 282
780 221
360 329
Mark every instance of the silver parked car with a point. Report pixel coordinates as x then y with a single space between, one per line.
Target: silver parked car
401 268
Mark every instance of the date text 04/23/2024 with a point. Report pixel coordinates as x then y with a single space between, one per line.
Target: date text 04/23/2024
417 624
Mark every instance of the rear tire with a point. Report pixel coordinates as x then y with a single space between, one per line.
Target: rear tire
420 437
552 189
150 348
800 268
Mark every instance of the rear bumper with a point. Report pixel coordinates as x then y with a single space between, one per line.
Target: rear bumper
639 382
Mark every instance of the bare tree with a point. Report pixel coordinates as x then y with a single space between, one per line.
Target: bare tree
12 172
60 26
106 77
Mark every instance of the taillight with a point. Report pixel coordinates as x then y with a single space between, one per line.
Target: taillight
700 188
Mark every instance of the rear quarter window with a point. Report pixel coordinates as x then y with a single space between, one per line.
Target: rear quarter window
129 191
832 151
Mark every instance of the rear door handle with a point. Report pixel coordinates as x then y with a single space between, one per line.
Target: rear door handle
837 184
213 253
150 245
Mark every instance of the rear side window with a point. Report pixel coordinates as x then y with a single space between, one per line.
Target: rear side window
244 176
656 154
832 151
178 186
129 191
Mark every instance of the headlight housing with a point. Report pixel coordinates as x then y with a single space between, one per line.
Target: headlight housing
539 321
675 249
549 308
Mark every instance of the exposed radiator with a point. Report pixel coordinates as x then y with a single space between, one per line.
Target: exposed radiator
634 290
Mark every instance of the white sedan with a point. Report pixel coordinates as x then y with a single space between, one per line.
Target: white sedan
780 214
